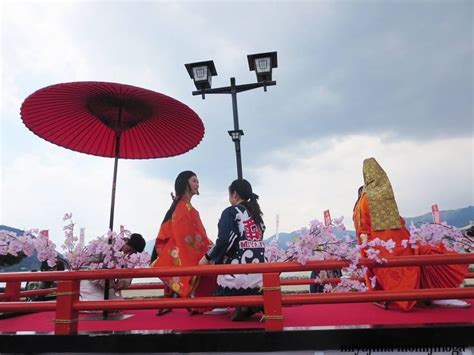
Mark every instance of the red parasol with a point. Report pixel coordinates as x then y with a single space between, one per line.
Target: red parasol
112 120
88 117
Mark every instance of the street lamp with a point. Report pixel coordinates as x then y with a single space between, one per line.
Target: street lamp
235 135
202 73
263 63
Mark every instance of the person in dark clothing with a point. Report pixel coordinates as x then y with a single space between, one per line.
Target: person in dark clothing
61 265
239 241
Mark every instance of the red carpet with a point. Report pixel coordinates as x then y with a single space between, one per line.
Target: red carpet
296 316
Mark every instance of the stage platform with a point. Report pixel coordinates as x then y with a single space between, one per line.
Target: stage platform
307 327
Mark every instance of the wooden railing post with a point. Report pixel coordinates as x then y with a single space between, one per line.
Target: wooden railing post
66 317
273 315
12 291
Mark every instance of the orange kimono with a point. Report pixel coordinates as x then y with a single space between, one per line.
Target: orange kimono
404 278
182 241
440 276
393 278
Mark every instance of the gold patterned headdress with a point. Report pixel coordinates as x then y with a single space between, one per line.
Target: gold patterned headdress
383 207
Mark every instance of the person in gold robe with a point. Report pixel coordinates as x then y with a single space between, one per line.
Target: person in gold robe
376 215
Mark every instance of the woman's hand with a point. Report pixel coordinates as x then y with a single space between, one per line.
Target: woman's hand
204 261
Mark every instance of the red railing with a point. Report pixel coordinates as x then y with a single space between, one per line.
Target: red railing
67 304
151 286
284 282
160 286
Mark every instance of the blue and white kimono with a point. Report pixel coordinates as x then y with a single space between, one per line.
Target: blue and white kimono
240 241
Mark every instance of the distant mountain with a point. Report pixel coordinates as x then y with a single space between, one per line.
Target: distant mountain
10 229
459 218
284 238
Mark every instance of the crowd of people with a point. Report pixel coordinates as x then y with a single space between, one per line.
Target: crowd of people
182 241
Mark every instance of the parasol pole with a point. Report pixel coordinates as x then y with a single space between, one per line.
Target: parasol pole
112 202
114 184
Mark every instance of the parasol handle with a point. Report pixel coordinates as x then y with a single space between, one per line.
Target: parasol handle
112 203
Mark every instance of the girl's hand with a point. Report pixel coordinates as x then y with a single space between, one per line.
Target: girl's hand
203 261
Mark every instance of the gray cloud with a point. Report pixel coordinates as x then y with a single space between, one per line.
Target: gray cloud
401 70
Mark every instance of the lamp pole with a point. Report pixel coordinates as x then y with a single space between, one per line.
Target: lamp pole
202 73
233 90
238 155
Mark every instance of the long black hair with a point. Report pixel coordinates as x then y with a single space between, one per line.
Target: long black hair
180 185
359 195
244 190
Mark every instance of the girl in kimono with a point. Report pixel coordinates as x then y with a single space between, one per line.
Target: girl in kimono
182 241
376 216
239 241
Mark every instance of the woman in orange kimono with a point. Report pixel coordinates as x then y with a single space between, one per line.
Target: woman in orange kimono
376 216
182 240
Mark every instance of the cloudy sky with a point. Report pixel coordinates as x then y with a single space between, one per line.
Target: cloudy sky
355 79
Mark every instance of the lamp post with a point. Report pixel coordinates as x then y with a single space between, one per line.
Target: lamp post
202 73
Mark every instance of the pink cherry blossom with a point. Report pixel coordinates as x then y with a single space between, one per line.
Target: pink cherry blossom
97 254
102 252
319 242
26 244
